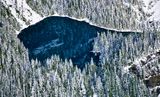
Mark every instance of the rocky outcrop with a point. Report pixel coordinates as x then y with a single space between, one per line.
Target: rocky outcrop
148 69
153 81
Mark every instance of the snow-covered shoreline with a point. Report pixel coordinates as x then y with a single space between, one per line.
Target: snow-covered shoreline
32 17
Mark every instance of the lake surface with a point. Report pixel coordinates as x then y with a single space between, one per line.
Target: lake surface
65 37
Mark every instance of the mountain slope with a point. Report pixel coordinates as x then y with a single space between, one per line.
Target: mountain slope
27 14
117 16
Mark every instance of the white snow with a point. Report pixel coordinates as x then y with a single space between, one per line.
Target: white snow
83 90
152 6
24 11
146 2
155 87
32 17
134 8
95 95
126 69
16 31
156 10
13 12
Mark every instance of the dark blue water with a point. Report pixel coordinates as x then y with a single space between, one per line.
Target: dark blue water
68 38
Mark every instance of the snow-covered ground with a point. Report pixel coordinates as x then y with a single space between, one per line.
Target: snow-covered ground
19 9
152 6
31 17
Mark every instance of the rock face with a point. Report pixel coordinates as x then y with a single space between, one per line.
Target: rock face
63 36
148 69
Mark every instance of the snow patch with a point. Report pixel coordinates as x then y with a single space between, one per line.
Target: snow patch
17 32
10 4
152 6
146 2
95 95
126 69
22 12
135 9
156 10
156 87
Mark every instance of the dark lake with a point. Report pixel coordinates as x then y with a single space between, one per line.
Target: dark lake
63 36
